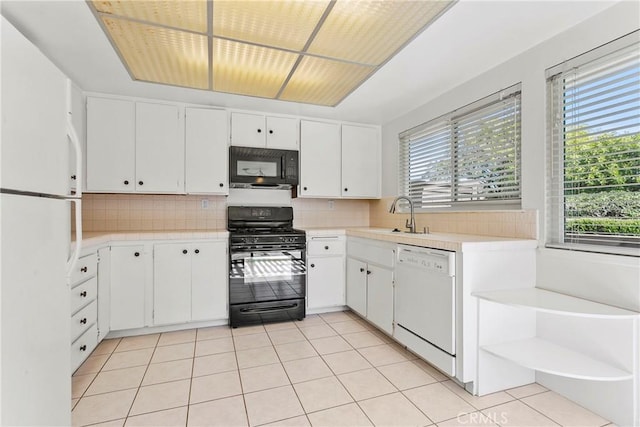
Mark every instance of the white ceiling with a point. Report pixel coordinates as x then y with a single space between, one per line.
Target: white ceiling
470 38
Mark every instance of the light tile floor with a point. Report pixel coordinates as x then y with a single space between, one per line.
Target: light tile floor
331 369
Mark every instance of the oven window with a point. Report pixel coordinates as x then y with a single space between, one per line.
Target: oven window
266 266
251 168
266 276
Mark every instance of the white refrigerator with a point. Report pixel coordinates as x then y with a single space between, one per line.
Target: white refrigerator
35 230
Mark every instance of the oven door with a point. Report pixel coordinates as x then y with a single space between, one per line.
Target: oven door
266 275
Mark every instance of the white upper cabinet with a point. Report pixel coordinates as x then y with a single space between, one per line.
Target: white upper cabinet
34 138
111 152
159 149
320 162
360 161
257 130
282 132
207 151
134 147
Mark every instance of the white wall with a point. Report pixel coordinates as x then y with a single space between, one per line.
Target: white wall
611 279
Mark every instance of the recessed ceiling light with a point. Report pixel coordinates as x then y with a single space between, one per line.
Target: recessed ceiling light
316 51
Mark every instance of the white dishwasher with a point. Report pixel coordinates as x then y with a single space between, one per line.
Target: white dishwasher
425 299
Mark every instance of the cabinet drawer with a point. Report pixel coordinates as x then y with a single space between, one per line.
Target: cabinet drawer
86 267
83 347
82 320
369 251
326 246
83 294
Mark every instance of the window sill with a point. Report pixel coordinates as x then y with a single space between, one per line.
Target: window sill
599 249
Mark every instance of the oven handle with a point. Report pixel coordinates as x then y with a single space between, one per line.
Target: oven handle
267 309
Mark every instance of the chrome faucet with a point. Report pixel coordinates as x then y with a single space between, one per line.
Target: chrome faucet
411 223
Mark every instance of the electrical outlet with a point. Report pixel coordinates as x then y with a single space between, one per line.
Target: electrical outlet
331 203
204 203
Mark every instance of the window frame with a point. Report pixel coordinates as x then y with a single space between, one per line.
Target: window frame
449 123
557 130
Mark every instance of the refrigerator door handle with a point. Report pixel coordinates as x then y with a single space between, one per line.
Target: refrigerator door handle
73 259
75 141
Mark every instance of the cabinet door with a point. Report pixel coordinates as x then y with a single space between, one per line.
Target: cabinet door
209 281
325 282
207 152
282 132
360 161
111 132
171 283
248 130
319 159
380 297
127 287
159 149
357 286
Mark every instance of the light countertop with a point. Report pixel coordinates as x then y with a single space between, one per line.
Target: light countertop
446 241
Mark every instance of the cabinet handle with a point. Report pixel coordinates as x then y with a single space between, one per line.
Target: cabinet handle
126 182
259 130
313 265
304 188
197 251
73 177
84 269
83 347
326 248
136 254
83 294
361 270
184 251
221 185
83 320
140 183
368 271
346 189
271 131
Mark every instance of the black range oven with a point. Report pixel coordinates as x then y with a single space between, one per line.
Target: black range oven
267 271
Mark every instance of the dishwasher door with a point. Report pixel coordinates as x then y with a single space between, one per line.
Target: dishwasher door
425 295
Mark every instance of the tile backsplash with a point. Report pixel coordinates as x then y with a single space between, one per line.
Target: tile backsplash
516 223
135 212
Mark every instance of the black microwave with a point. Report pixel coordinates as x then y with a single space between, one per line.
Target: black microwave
262 168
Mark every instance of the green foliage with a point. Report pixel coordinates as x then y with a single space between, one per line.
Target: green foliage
612 204
630 227
601 160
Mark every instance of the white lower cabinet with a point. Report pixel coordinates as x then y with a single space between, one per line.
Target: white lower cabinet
128 282
370 280
84 308
189 282
325 272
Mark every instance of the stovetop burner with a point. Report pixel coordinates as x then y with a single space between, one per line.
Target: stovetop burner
251 225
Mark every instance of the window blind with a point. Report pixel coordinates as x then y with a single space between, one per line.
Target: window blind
593 182
465 159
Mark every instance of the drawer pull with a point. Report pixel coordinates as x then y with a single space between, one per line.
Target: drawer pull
184 251
313 265
361 270
326 248
84 269
136 254
83 321
83 294
197 251
368 271
83 347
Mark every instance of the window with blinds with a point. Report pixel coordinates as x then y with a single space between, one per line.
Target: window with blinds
467 159
593 183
